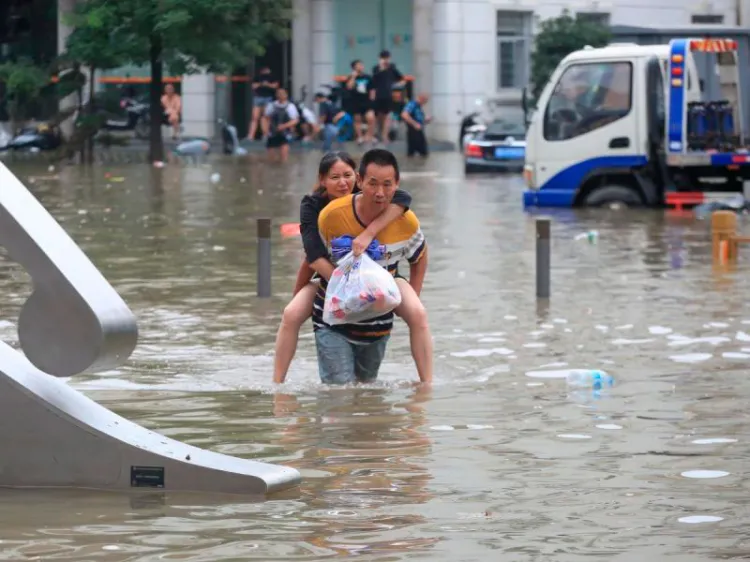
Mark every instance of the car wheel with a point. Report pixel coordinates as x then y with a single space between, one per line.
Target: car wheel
469 169
613 197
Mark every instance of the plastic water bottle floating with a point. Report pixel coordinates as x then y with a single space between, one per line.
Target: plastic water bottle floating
592 236
594 379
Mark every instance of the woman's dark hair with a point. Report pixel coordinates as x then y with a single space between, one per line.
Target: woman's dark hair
327 162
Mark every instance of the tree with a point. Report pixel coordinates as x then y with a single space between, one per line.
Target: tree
557 38
185 36
90 45
24 81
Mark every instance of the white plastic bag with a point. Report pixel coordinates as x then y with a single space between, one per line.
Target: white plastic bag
359 290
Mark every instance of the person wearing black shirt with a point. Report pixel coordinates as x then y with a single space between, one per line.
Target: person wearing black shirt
385 76
264 92
329 116
359 85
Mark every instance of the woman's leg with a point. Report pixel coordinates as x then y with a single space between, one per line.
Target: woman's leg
254 122
412 311
295 313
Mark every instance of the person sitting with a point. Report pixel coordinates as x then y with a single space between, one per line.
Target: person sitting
329 116
172 104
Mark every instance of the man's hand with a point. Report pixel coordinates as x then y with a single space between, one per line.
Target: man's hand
361 243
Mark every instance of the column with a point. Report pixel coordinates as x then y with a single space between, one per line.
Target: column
463 57
422 34
301 52
198 105
323 43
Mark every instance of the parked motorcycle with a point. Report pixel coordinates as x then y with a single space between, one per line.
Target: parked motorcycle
35 138
136 118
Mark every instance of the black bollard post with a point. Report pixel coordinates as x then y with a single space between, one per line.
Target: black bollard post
264 258
542 258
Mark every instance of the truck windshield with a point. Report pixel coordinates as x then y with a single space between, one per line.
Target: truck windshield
586 97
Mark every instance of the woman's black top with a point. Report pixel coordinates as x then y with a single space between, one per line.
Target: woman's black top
309 210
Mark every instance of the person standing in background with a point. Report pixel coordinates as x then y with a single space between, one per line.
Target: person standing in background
359 107
264 92
415 119
283 118
385 76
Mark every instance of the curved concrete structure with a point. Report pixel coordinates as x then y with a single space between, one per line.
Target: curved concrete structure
74 321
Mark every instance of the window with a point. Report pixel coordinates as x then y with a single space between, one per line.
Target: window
513 49
601 18
707 18
588 97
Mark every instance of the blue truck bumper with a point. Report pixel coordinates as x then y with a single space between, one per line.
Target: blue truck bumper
548 198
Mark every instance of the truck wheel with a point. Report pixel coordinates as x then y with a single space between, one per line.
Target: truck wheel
613 197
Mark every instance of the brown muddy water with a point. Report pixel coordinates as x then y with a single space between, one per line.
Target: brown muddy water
500 460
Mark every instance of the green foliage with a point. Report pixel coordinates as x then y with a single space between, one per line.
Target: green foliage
186 36
557 38
195 35
24 81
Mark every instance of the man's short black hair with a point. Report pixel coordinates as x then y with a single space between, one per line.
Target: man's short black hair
385 54
379 157
354 63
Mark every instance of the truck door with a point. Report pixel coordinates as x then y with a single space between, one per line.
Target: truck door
656 115
589 122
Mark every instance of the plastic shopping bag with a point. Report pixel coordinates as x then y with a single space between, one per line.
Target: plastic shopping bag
359 290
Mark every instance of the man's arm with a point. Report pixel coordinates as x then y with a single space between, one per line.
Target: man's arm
417 271
400 80
294 115
409 120
363 241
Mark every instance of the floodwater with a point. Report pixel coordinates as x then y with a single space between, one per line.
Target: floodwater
498 461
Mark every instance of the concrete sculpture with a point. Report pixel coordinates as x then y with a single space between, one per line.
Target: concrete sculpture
74 321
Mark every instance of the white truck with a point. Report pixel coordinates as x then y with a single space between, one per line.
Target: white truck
630 125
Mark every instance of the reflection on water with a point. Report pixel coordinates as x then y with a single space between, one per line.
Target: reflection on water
499 461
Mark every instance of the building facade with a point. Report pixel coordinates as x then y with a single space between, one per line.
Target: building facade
460 51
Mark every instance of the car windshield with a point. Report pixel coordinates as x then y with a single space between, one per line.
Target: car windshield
503 127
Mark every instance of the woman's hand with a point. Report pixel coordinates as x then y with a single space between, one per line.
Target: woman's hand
361 243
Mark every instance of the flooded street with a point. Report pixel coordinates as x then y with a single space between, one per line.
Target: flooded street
500 460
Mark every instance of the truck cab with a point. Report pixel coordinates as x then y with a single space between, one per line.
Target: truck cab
626 124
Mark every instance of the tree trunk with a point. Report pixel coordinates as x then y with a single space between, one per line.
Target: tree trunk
156 144
89 150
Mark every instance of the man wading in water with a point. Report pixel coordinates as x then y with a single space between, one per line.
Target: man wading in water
283 118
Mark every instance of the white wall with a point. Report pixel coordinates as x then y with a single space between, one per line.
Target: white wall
463 60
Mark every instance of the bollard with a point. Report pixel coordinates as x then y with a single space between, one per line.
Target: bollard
543 258
723 236
264 258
